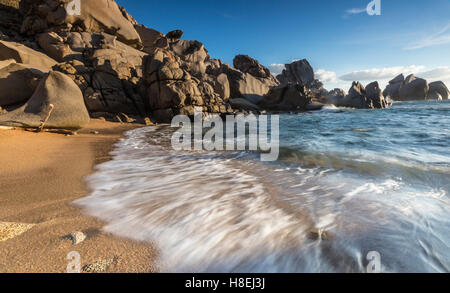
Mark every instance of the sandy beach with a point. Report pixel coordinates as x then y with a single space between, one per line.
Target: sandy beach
41 175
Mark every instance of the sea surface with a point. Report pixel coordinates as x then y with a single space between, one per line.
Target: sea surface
347 182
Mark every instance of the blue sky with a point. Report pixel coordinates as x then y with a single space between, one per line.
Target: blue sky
338 37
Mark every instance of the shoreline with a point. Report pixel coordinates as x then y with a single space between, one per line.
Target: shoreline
40 177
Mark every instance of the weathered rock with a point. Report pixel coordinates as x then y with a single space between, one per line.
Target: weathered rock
392 90
26 55
17 83
163 115
413 89
290 97
360 97
335 96
151 38
249 65
193 54
298 72
373 93
356 97
96 16
222 86
175 35
54 46
245 85
75 237
4 63
397 79
243 104
438 91
57 89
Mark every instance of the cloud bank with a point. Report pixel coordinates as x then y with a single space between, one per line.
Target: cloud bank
380 73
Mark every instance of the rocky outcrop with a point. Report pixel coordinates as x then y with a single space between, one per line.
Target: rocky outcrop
57 89
247 64
175 35
25 55
438 91
360 97
151 38
95 17
172 89
335 96
375 95
17 83
393 88
299 72
290 97
413 88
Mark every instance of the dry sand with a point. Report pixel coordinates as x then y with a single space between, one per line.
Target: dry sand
40 175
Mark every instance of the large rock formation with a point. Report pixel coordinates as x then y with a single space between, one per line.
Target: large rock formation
172 88
413 88
17 83
57 89
25 55
298 72
151 38
360 97
438 91
290 97
301 72
95 17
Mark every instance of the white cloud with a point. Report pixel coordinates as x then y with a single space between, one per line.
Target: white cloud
439 73
355 10
276 68
440 38
380 73
326 76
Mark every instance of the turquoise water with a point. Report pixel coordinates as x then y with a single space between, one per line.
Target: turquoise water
370 180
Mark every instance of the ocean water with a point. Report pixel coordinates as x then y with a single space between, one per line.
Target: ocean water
368 180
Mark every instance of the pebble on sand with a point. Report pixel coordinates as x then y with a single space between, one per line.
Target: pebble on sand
76 237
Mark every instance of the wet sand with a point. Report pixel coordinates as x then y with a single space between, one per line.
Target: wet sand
41 174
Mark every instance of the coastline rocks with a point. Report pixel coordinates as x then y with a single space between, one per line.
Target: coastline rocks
96 16
243 104
291 97
17 83
151 39
108 73
249 65
57 89
172 90
54 46
25 55
193 54
393 88
245 85
360 97
298 72
175 35
335 96
438 91
374 94
413 89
